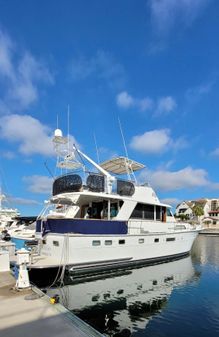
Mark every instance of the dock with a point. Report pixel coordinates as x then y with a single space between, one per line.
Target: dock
29 313
210 231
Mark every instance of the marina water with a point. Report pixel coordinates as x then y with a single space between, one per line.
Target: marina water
178 298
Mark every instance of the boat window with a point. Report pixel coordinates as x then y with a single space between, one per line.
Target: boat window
96 243
108 242
169 213
158 213
121 242
55 243
113 210
138 212
140 240
92 212
170 239
143 211
156 240
149 212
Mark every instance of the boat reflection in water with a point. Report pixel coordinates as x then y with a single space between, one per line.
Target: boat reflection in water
126 301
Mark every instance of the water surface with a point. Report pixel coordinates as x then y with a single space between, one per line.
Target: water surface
178 298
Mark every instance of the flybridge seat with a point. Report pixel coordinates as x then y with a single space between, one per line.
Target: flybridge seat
95 183
121 165
67 183
73 183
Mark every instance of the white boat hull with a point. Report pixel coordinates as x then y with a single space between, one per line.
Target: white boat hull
86 253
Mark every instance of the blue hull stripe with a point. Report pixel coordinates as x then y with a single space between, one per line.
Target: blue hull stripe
82 226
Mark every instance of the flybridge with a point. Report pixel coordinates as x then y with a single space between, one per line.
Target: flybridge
71 158
95 183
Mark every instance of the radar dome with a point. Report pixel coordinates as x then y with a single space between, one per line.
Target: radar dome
58 133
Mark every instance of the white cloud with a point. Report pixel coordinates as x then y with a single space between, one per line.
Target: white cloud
6 48
145 104
21 75
166 14
33 137
185 178
126 101
194 94
215 152
157 141
165 105
23 201
8 155
103 66
171 201
39 184
179 144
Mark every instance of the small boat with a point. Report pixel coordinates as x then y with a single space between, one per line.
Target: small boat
103 221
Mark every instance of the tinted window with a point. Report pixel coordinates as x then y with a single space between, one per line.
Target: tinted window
170 239
142 211
138 212
149 212
96 243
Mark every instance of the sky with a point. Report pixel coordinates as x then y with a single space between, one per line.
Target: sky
152 64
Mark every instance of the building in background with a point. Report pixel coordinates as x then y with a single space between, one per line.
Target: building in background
205 211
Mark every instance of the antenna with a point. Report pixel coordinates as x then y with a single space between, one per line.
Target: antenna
123 139
68 127
128 168
48 169
95 141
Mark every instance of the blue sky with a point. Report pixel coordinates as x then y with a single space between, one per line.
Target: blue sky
152 63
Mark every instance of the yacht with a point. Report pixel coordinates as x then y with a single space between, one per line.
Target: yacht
23 231
7 215
97 220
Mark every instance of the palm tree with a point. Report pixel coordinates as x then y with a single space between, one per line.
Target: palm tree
198 211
